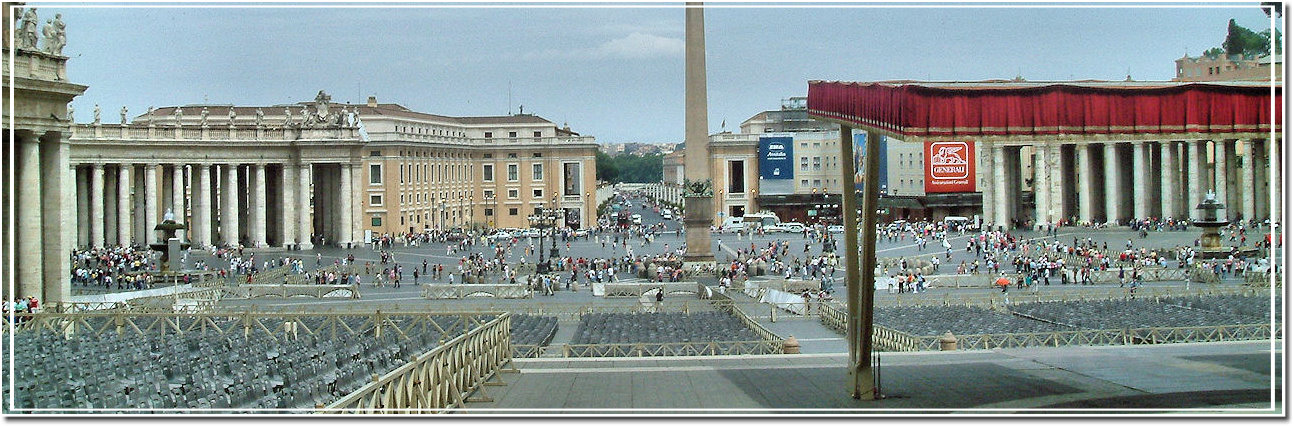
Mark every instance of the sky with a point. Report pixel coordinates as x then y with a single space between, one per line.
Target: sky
615 73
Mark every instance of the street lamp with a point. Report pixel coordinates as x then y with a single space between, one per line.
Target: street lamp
546 219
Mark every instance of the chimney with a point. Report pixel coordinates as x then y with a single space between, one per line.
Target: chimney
372 101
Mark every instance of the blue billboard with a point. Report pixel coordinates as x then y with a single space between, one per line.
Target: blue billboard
860 151
776 157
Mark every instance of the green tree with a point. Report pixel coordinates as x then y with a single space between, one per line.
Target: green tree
1243 41
607 170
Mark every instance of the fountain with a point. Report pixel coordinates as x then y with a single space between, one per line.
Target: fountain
170 247
1210 240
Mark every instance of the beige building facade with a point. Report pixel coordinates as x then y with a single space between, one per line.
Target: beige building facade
311 173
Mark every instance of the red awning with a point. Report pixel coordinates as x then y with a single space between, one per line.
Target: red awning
1023 108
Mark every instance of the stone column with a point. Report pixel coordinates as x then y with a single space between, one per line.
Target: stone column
150 202
82 206
1056 185
1001 206
1085 180
1113 198
229 229
58 193
27 221
1262 187
258 216
1220 175
1141 193
1041 185
1230 179
177 200
1168 179
288 203
988 200
201 190
124 182
305 223
345 224
98 224
1196 179
1247 192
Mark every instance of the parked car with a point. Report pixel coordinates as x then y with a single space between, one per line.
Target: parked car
836 229
793 226
768 229
531 233
581 232
501 235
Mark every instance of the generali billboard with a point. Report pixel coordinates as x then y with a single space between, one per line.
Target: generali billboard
950 166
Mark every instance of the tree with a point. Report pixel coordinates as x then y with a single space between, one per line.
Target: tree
1242 41
1267 34
1214 52
607 170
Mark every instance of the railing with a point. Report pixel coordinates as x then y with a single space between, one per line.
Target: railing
437 381
884 338
1075 294
461 291
274 324
638 289
199 298
755 347
1107 337
253 291
725 304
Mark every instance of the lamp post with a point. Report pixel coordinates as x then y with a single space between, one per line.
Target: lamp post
546 219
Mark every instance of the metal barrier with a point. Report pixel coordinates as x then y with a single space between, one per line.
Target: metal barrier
274 324
756 347
253 291
640 288
440 380
194 300
1073 294
884 338
462 291
725 304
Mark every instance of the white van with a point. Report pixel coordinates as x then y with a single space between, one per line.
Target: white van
760 220
952 222
731 224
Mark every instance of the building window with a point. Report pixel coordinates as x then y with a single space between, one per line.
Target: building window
512 155
488 156
817 163
489 194
375 200
487 173
489 211
513 194
538 193
571 184
375 153
537 155
512 211
489 134
375 174
512 134
537 134
377 221
537 171
804 164
512 173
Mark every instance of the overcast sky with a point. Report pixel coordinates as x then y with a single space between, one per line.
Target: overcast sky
614 73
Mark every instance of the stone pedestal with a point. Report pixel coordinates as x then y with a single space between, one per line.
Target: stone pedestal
173 255
698 228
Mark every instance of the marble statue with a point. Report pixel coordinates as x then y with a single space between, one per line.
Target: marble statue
27 33
179 116
71 113
150 110
287 116
260 117
60 35
205 113
96 113
123 114
232 116
305 116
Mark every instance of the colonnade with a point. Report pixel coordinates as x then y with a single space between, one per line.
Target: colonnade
1117 181
222 204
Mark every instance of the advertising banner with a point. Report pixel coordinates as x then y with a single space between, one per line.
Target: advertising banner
776 157
860 151
950 166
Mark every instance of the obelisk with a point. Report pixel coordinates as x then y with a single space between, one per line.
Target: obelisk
698 201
